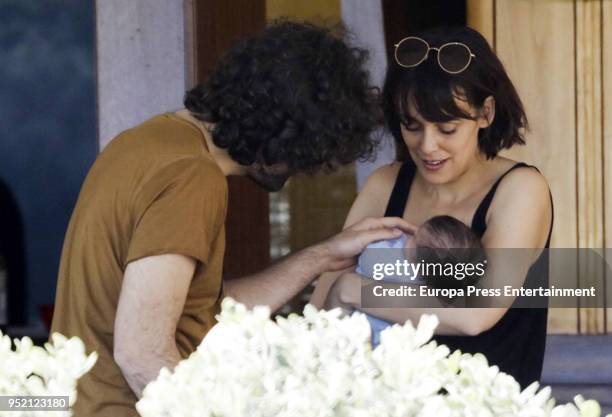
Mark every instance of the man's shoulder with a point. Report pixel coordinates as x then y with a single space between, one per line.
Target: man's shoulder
202 171
161 134
152 158
162 144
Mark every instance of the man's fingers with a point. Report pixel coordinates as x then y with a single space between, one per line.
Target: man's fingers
349 243
386 222
398 223
374 235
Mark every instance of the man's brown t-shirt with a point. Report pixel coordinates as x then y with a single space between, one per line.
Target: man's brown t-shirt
154 190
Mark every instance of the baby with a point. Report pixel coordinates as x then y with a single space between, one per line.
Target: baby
441 239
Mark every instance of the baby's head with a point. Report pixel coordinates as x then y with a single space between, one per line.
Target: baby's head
445 232
444 240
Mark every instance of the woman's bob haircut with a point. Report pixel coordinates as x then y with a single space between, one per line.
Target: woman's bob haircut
434 93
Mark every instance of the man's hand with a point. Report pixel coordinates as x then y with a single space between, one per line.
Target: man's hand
340 250
279 283
152 299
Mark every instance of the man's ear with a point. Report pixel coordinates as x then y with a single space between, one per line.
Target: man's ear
487 114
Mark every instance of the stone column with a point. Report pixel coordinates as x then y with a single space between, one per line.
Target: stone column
141 70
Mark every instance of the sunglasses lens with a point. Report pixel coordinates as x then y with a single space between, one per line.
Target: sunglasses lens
411 52
454 57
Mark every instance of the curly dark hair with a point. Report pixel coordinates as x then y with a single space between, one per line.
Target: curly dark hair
433 92
294 94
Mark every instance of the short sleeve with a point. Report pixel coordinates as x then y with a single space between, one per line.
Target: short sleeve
180 210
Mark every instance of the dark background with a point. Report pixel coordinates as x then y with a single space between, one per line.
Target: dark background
47 138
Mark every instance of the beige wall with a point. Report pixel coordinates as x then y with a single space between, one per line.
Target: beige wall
554 51
607 140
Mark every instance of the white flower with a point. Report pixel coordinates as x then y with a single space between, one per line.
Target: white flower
322 365
51 371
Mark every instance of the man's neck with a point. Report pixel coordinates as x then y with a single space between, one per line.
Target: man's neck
227 165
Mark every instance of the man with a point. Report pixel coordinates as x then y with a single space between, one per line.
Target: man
140 276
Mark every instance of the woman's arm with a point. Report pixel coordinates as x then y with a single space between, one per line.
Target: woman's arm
371 202
346 295
519 217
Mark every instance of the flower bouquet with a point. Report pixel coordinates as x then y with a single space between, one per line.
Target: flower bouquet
321 364
31 370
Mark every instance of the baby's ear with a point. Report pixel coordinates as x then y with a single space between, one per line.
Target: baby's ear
487 113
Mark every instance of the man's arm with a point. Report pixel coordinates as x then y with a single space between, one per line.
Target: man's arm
152 298
279 283
154 290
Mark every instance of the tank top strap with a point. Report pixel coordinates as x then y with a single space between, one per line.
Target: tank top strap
479 224
403 183
401 189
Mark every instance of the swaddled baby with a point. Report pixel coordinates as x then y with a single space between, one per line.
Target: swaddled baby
439 232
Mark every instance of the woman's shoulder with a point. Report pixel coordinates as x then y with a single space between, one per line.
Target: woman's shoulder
522 201
522 193
374 195
524 179
385 173
382 180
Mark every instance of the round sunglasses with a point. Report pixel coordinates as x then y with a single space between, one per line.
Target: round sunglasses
453 57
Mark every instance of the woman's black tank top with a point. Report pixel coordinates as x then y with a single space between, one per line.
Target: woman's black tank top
516 343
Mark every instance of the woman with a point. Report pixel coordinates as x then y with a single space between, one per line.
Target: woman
451 108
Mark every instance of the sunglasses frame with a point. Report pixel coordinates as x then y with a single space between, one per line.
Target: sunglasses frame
438 50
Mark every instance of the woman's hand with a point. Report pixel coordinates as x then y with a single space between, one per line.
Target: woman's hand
345 293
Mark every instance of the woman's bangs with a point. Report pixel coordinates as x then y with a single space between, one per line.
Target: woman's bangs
434 100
